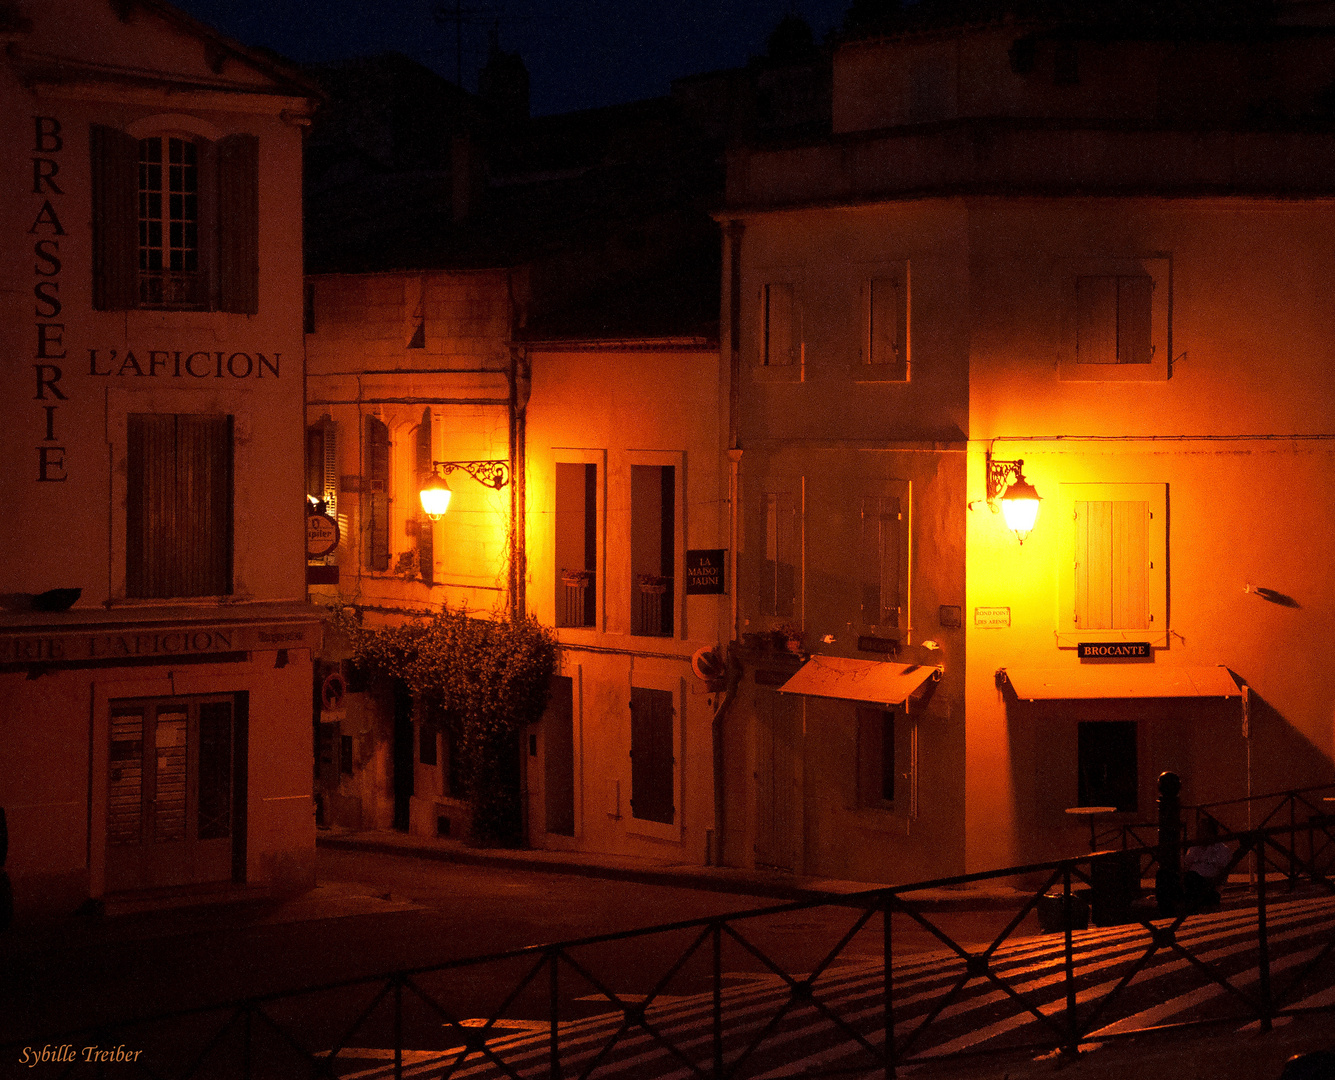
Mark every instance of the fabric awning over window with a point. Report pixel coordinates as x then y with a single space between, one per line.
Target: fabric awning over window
1122 681
875 682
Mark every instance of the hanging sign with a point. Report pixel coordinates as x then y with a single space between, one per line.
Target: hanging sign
321 535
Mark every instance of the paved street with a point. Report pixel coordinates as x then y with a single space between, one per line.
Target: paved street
373 913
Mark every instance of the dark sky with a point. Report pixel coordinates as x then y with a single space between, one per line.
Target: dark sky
579 53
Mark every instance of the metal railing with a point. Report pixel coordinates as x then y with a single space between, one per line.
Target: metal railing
861 1002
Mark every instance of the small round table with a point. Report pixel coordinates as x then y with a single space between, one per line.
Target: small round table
1091 812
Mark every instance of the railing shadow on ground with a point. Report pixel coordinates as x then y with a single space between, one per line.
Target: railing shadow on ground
877 982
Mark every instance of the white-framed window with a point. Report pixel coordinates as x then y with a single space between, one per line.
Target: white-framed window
1117 319
887 761
884 352
175 220
653 549
1113 563
575 543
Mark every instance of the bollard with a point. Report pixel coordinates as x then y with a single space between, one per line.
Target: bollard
1168 881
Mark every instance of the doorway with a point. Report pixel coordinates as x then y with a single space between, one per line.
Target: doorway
778 784
559 757
176 792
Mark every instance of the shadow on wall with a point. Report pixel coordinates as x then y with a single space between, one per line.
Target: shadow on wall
1283 758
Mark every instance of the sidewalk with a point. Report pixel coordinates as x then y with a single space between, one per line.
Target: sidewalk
774 884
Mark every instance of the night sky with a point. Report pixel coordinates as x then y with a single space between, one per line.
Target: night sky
579 53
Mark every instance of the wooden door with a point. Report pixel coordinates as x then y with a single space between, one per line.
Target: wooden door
778 780
170 792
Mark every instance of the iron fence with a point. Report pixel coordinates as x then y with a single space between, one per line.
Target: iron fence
737 995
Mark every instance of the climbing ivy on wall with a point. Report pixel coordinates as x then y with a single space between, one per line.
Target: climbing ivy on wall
490 676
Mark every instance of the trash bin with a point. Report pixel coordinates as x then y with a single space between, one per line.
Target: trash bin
1115 881
1054 913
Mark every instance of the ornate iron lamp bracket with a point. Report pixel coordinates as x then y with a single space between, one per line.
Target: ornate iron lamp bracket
494 474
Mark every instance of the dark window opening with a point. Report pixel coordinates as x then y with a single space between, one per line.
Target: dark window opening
1107 764
876 757
651 759
653 494
576 522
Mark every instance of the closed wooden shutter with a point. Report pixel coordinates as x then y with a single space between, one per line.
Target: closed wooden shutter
651 761
881 561
375 502
115 187
178 505
1096 320
1134 298
426 546
778 583
886 318
238 224
1111 565
779 342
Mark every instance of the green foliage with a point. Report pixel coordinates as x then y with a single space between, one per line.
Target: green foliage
490 677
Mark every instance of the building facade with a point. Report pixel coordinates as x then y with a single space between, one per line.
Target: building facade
1093 257
155 643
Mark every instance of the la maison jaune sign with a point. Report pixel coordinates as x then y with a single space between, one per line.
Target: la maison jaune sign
1112 650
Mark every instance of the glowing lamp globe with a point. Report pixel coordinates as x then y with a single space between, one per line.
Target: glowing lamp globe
1019 506
435 496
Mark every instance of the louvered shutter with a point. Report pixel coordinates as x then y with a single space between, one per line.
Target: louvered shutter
115 184
426 545
375 501
238 224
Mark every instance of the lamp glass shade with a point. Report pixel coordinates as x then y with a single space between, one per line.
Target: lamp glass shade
435 496
1019 506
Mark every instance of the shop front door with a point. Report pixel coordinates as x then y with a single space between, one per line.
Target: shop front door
171 792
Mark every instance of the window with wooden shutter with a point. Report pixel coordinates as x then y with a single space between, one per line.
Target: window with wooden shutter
375 496
881 561
175 222
1113 323
178 505
426 545
778 576
781 342
651 759
885 352
1114 552
115 157
876 757
238 224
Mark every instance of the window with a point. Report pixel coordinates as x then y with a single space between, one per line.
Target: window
178 505
175 222
322 465
576 540
651 758
375 496
778 581
780 331
1114 562
175 789
876 758
885 349
653 514
1118 324
881 561
426 529
1107 764
1112 323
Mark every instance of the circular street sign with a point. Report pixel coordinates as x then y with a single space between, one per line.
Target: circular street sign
321 535
332 690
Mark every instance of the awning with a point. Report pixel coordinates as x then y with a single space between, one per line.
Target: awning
1122 681
875 682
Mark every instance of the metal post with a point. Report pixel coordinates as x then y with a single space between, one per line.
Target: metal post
553 1013
1293 841
245 1045
1168 881
1262 939
887 956
398 1028
1068 915
718 1001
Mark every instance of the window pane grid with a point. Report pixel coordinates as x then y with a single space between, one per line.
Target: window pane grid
169 227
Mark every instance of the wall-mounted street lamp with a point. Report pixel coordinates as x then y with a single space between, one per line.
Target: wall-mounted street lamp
1018 501
435 493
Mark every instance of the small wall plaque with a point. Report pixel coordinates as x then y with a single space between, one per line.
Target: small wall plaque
704 572
878 645
991 617
1108 650
950 616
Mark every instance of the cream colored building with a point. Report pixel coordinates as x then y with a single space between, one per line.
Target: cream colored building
155 643
1107 256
